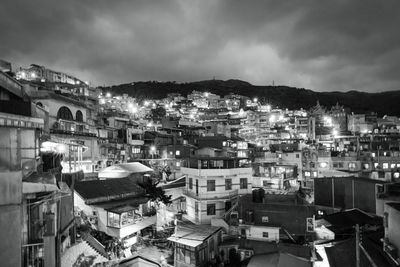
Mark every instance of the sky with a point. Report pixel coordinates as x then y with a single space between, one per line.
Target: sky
320 45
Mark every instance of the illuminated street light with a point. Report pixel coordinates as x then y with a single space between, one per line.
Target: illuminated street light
108 95
255 99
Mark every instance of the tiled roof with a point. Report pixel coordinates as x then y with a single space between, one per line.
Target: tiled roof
96 191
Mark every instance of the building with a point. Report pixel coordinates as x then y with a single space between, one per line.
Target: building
213 185
117 207
196 245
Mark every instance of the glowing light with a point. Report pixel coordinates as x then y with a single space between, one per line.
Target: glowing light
255 99
146 103
33 75
152 149
102 101
268 107
206 94
108 95
335 133
272 118
53 147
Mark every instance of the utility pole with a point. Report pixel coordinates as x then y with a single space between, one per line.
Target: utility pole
357 245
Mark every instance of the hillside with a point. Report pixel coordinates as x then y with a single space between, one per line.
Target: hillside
283 96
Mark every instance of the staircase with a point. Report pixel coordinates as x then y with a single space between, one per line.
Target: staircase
81 250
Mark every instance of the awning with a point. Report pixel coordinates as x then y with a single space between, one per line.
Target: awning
30 188
183 241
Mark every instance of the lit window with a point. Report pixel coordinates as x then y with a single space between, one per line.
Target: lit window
307 174
178 153
373 155
376 165
393 165
366 166
178 164
396 175
352 165
113 219
315 174
323 164
385 165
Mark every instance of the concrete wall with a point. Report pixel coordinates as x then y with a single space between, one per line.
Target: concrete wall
347 193
256 233
53 105
393 229
10 218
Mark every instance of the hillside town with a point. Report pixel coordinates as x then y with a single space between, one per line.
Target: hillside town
91 178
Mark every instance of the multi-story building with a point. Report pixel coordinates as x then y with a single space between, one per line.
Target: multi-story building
213 185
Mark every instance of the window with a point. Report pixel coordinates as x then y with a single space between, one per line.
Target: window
79 116
264 219
65 114
352 165
243 183
210 185
307 174
190 183
393 165
385 165
135 150
177 152
315 174
178 164
127 218
210 209
228 184
297 156
265 234
113 219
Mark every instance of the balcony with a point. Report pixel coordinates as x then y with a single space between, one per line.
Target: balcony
33 255
136 142
217 172
212 195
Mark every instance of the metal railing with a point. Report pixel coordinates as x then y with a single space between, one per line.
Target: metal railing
33 255
95 244
202 196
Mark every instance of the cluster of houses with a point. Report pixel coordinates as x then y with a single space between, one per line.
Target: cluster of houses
246 184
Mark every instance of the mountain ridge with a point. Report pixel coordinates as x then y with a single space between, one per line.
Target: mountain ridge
384 103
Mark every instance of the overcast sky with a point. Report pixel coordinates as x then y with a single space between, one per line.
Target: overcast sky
321 45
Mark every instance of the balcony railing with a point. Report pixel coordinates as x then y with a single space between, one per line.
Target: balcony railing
215 196
33 255
76 133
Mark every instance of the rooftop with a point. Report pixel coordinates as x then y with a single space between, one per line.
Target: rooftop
97 191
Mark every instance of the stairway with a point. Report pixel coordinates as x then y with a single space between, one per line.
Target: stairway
81 250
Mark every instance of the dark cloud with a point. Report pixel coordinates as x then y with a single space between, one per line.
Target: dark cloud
322 45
